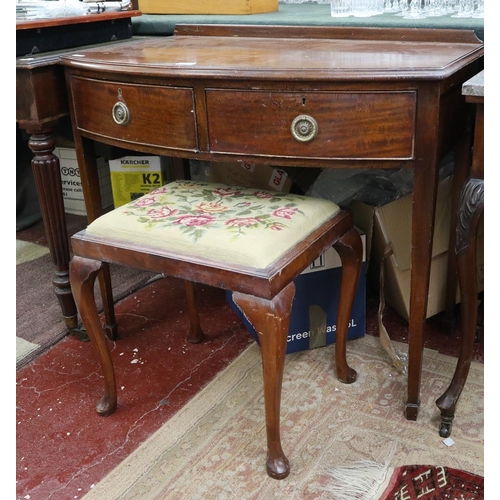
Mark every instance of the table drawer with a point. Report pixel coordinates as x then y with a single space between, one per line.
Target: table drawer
351 125
138 114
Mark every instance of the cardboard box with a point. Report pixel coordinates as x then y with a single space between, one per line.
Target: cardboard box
285 179
207 6
392 227
72 185
314 308
133 176
250 175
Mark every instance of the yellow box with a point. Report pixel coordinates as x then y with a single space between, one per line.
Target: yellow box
220 7
134 176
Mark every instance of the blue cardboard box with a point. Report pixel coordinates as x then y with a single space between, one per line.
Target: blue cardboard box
314 308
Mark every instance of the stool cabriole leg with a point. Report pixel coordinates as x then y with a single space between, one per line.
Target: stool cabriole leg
83 273
350 249
271 320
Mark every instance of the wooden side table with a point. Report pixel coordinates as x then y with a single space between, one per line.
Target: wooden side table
41 101
311 96
469 212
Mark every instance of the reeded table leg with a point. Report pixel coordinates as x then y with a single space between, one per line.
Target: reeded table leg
271 320
47 173
470 209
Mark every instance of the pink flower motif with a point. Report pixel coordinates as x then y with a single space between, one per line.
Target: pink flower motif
263 194
161 213
277 227
159 190
144 201
242 222
194 220
227 191
285 213
211 207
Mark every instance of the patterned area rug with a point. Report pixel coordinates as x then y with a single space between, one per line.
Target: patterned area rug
39 322
335 435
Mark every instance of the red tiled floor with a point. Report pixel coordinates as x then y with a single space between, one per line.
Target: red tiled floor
63 446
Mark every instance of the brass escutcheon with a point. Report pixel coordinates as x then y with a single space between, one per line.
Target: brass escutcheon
120 113
304 128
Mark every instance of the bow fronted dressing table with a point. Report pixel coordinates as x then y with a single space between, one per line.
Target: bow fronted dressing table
309 96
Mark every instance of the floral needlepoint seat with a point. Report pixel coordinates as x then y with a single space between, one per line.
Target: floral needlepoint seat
230 225
249 241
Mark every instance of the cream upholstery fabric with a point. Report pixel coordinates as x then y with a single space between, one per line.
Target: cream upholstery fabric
230 224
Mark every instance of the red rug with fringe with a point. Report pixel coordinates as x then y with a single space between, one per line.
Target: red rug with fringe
425 482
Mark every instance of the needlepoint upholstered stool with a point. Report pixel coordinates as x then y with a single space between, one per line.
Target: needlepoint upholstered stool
245 240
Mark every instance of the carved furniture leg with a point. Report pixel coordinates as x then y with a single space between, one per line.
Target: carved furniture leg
271 320
350 249
471 207
195 334
83 273
47 173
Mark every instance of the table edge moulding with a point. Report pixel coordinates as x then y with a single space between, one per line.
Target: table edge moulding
225 93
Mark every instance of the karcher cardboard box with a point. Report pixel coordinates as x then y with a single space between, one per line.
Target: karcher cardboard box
314 308
72 184
392 225
133 176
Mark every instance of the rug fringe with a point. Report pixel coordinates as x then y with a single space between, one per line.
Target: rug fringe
359 481
362 480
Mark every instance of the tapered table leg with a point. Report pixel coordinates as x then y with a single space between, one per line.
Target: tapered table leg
425 182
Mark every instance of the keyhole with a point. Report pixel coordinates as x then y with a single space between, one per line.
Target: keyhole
303 101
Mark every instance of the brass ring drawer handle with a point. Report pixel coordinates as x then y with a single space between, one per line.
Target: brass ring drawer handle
304 128
120 113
